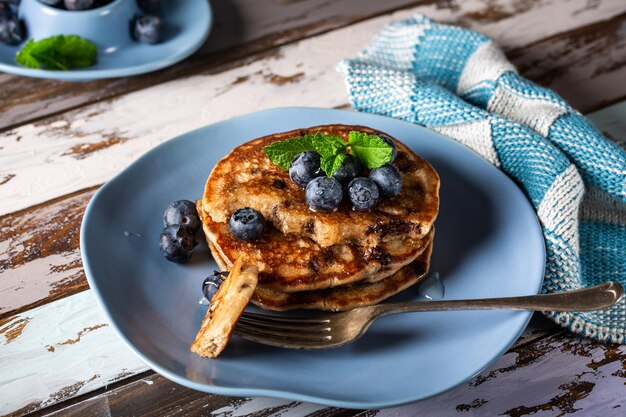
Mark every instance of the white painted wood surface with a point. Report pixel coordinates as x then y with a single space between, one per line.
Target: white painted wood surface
60 155
57 351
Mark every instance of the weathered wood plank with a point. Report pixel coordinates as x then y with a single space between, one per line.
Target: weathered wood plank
39 256
585 376
86 147
154 395
559 375
71 337
70 340
596 57
243 27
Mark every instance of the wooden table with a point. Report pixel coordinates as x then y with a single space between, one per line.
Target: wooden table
60 141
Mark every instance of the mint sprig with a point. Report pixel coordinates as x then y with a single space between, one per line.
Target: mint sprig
282 153
61 52
370 150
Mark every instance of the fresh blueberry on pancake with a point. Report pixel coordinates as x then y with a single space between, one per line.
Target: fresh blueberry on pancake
211 284
304 167
324 194
389 141
363 194
247 224
349 170
388 179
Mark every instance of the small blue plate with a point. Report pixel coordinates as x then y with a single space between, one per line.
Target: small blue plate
187 24
488 244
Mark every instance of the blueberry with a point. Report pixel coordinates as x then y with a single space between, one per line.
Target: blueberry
176 243
149 5
388 179
247 224
304 167
148 29
389 141
350 169
11 30
182 212
211 284
363 193
324 194
5 11
79 4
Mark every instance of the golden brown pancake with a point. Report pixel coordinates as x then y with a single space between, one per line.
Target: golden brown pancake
345 297
247 178
289 263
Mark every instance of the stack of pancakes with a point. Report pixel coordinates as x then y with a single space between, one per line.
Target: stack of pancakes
327 261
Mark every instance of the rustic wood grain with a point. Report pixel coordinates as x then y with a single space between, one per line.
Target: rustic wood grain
586 379
558 375
277 22
85 147
153 395
57 351
241 27
594 68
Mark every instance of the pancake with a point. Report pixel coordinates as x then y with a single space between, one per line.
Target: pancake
289 263
247 178
345 297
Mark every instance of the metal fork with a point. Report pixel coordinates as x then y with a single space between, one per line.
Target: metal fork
337 329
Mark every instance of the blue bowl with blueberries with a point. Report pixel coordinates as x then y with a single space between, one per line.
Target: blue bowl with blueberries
78 40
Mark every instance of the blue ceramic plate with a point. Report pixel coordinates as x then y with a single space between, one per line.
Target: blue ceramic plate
187 24
488 244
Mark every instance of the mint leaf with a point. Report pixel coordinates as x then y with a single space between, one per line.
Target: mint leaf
328 145
61 52
330 164
25 58
370 150
282 153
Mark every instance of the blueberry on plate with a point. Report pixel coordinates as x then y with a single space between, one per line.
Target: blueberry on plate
324 194
176 243
148 29
389 141
148 5
11 30
388 179
182 212
363 193
247 224
211 284
349 170
5 10
79 4
304 167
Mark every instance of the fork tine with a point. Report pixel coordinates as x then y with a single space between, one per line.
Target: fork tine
284 326
282 333
267 318
266 339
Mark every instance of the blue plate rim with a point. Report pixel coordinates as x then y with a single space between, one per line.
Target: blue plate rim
276 393
96 74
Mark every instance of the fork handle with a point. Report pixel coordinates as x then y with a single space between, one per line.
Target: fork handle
588 299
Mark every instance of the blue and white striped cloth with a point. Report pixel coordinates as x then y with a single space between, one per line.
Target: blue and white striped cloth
459 83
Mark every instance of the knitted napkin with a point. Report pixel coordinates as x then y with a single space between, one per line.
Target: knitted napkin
459 83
